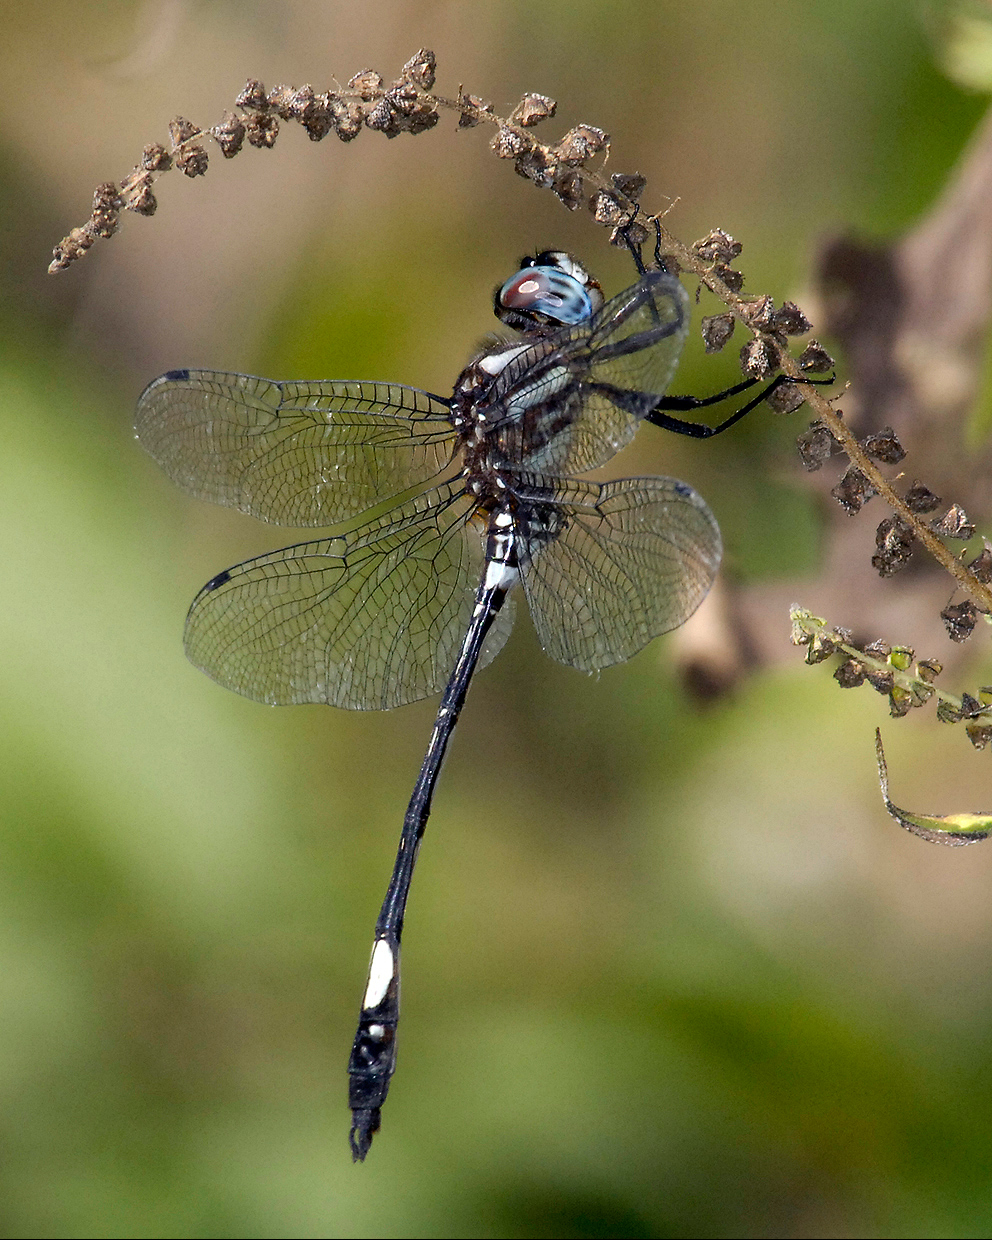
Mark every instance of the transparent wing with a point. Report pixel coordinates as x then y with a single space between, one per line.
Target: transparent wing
369 620
293 453
571 402
607 568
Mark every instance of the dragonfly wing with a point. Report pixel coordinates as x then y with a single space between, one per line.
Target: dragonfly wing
607 568
293 453
571 402
369 620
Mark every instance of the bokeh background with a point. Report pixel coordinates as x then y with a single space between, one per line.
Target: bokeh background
670 970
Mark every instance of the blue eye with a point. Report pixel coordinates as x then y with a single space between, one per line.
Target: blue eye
548 292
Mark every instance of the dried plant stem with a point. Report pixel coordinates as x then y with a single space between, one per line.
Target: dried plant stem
980 593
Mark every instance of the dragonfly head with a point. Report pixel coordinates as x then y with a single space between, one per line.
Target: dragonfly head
550 290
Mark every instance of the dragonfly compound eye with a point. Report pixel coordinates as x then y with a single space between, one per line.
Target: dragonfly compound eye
542 295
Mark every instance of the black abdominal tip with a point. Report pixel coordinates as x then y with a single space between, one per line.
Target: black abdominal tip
365 1123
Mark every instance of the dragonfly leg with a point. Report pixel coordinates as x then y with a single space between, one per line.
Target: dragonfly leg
699 430
623 231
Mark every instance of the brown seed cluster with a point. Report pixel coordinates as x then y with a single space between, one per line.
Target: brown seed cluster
405 105
761 356
897 536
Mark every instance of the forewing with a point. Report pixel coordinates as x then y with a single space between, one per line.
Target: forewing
607 568
571 402
369 620
293 453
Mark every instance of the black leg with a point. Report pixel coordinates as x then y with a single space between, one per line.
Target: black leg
699 430
635 250
659 260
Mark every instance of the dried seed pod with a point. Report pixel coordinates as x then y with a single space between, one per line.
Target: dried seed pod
981 566
253 96
929 669
261 129
815 359
569 188
190 157
155 158
421 68
403 97
605 209
878 649
467 120
759 314
850 674
70 248
894 540
884 447
136 193
300 103
537 165
635 234
853 491
383 118
954 524
758 359
508 144
278 101
979 734
734 280
532 109
717 247
790 320
717 330
366 83
960 620
901 657
581 143
630 185
107 204
401 110
815 445
423 117
971 707
920 499
347 117
880 679
786 398
192 160
947 712
229 135
319 119
180 130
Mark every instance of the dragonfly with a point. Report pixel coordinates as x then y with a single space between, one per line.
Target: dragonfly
438 509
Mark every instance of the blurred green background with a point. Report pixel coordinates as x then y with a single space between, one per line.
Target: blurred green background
669 971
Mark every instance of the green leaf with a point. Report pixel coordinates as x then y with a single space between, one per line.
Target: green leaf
954 830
